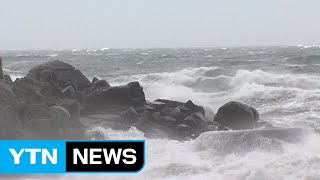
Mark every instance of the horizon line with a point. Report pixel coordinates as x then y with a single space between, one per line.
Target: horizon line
132 48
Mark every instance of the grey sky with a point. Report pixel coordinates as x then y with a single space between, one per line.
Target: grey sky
55 24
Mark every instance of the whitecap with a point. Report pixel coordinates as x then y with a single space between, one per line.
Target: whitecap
53 55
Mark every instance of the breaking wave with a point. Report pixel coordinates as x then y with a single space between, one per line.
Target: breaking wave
240 155
213 86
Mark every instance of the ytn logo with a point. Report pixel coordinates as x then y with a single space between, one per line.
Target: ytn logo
45 154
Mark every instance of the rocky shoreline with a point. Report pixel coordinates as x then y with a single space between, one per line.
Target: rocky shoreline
56 101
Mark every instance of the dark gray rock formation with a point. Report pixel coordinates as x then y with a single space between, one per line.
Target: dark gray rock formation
129 95
237 116
56 101
64 74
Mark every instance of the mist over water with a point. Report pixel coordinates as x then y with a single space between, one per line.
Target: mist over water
282 83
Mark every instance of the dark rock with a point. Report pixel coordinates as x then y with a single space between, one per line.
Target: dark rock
168 119
256 116
200 119
151 129
183 127
32 91
140 109
171 104
94 80
172 112
48 76
101 84
131 115
136 102
137 95
118 95
69 92
129 95
190 121
237 116
194 108
184 109
155 106
64 74
212 128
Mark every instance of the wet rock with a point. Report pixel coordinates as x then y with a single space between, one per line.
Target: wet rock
64 74
118 95
237 116
101 84
190 121
69 92
128 95
155 106
183 127
94 80
212 128
32 91
194 108
169 103
48 76
137 96
168 120
172 112
184 109
131 115
200 119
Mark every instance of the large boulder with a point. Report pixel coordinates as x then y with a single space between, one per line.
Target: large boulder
178 118
237 116
64 74
98 99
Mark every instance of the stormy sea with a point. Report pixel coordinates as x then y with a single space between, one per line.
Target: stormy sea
282 83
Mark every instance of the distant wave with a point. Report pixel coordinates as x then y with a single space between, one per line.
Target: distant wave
308 46
52 55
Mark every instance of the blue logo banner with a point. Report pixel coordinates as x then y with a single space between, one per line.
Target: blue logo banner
61 156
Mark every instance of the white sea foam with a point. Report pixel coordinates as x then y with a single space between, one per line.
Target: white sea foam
294 96
53 55
213 155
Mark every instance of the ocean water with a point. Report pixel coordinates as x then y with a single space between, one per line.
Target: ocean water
282 83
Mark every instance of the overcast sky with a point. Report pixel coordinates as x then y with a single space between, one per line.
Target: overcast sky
68 24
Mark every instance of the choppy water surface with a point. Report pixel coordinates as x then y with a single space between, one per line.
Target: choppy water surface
283 83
